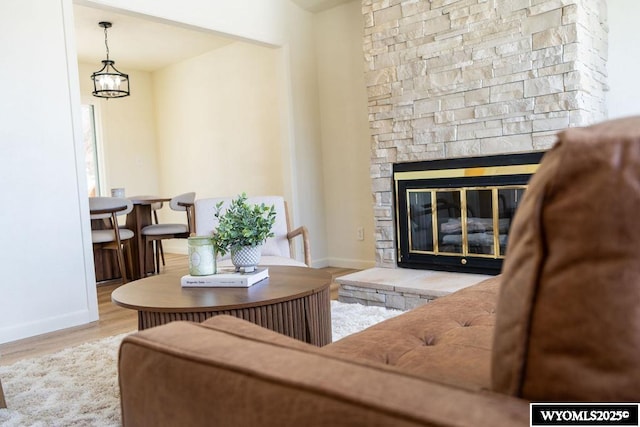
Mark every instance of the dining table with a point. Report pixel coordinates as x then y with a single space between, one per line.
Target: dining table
137 219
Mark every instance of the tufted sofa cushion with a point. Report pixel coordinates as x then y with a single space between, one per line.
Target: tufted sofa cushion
447 340
568 320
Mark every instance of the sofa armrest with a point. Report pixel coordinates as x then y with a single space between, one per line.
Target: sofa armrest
302 231
230 372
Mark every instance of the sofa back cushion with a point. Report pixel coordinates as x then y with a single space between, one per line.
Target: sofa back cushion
568 319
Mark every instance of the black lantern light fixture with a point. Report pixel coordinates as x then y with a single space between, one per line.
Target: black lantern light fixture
109 82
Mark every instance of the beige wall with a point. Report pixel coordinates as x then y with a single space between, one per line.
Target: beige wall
345 136
218 125
302 118
128 132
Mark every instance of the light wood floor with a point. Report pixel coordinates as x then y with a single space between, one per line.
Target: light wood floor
113 320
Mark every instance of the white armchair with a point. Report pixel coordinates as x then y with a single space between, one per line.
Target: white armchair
277 250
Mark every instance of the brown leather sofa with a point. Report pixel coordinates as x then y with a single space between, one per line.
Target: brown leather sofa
562 323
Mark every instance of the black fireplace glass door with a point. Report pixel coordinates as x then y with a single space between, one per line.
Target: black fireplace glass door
508 199
448 213
434 227
420 221
480 223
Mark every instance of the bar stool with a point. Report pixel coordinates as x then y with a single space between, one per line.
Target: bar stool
113 237
155 233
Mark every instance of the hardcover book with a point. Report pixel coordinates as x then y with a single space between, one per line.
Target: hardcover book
226 278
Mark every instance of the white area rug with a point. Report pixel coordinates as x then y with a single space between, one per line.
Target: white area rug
78 386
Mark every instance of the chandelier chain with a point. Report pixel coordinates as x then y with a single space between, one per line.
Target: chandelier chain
106 45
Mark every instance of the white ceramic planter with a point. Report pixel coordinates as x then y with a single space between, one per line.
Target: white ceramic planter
246 258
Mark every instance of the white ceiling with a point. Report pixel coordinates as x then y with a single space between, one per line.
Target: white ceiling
142 43
138 43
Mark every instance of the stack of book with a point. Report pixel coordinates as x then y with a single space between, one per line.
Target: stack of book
226 278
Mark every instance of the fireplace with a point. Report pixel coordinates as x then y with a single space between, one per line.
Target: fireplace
455 214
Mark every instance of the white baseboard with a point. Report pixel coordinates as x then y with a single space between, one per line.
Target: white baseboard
45 325
320 263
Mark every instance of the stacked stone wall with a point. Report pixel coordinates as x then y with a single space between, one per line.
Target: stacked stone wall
460 78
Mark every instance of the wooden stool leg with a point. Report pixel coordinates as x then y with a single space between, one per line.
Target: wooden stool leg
149 241
161 252
144 272
123 267
129 256
3 403
157 256
159 242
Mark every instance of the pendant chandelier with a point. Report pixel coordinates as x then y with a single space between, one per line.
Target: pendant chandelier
108 82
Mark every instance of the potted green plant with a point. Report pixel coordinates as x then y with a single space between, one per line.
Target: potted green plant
242 230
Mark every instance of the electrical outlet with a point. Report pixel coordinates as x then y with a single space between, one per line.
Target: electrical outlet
360 233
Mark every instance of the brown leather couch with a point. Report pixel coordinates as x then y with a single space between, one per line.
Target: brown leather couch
562 323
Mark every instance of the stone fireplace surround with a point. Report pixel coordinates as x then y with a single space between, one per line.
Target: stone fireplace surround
460 78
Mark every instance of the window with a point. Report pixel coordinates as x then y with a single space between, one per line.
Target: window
91 149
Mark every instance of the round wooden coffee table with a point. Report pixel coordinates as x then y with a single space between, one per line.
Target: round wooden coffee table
294 301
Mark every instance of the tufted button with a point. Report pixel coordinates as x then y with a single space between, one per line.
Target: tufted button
466 323
429 341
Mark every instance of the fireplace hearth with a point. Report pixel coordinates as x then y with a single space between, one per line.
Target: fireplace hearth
455 214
